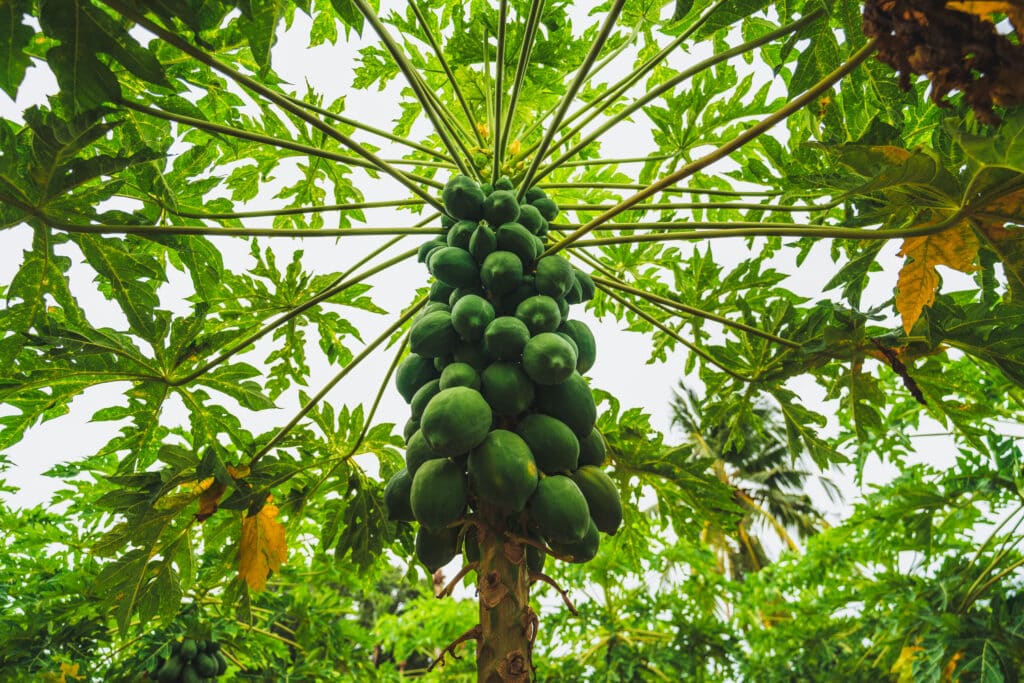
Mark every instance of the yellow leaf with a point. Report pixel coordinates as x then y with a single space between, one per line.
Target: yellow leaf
263 547
918 281
903 669
66 671
947 671
987 10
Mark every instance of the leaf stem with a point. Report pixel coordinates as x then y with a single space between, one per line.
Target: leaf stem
281 100
668 85
430 106
213 231
724 150
614 92
530 177
285 317
696 312
319 396
823 232
666 190
327 114
439 53
529 37
724 206
308 150
293 211
499 85
672 333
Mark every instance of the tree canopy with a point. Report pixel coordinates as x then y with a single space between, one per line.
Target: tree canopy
779 169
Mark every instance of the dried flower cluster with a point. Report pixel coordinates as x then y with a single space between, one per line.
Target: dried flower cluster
956 49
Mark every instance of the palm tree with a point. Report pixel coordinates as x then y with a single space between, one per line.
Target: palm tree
768 483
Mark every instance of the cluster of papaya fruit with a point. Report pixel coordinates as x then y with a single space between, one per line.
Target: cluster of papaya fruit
190 661
501 413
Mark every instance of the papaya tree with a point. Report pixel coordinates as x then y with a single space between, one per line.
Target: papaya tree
182 179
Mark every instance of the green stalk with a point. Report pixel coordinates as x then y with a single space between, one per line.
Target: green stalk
674 190
499 86
795 231
539 120
678 206
599 104
294 211
209 230
416 83
285 317
366 423
345 120
724 150
308 150
670 84
281 100
439 53
319 396
529 37
616 162
649 296
673 333
529 177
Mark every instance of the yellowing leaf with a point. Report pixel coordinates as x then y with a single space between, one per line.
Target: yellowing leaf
918 281
67 672
987 10
903 668
263 547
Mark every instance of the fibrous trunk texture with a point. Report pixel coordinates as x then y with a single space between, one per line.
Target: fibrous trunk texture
508 626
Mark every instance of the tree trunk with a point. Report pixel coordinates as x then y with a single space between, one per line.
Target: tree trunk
508 625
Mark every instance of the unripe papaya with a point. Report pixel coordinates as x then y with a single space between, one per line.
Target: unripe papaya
583 550
540 313
548 359
396 498
501 272
586 345
436 548
171 670
501 206
592 449
455 420
555 448
413 373
422 397
559 509
454 267
505 338
460 375
463 198
438 495
602 497
571 402
471 315
502 470
506 388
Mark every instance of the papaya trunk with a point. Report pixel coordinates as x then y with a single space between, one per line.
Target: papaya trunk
507 623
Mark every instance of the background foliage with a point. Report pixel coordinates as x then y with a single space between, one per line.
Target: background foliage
169 134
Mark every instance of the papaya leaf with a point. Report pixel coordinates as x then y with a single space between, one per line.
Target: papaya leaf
262 548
